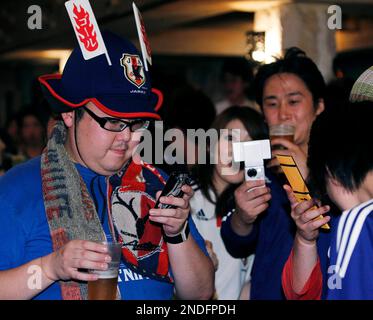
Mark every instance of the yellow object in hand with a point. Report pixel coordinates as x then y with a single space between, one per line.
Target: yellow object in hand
296 181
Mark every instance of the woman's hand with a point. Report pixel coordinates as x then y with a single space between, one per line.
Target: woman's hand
305 216
251 199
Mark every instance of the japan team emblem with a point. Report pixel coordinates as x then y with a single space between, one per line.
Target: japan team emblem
133 69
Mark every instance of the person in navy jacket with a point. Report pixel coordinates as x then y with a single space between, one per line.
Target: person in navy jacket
289 91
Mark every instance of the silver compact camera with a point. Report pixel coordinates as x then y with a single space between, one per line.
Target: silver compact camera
253 153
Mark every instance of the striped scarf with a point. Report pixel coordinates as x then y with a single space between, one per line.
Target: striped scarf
70 211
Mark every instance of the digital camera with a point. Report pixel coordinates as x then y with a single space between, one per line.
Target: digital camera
253 154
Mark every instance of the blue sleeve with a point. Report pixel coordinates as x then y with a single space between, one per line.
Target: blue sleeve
350 278
323 245
238 246
12 237
197 236
24 230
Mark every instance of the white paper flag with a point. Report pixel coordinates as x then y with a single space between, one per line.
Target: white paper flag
86 29
143 38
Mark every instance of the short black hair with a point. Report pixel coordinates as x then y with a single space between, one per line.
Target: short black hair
341 147
296 62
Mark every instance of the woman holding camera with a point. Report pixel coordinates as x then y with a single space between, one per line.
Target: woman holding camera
289 91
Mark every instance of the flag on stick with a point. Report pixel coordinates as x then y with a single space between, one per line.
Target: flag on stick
86 29
143 38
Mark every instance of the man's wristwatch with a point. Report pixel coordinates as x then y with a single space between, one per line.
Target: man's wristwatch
181 237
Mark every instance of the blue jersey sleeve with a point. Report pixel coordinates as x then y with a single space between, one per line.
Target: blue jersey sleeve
350 274
12 238
24 231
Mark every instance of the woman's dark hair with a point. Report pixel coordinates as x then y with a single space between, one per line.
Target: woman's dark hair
257 129
297 63
341 147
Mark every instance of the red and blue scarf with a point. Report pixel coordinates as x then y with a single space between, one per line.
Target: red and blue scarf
131 195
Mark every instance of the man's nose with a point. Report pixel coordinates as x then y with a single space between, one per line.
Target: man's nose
124 135
284 112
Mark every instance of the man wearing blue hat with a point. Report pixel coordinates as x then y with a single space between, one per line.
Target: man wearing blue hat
86 188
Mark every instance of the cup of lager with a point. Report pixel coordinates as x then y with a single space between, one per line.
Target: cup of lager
105 287
284 131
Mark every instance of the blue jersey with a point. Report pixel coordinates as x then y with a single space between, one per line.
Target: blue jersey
25 235
350 272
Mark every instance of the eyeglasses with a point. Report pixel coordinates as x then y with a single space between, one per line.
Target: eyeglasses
117 125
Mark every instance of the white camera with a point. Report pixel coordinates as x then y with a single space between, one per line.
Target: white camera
253 153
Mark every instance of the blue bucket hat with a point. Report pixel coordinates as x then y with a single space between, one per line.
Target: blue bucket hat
121 90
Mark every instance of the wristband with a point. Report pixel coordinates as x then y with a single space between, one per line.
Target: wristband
179 238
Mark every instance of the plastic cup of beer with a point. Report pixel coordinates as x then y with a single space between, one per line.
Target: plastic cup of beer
105 287
284 131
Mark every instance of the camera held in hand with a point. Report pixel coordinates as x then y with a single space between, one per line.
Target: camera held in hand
253 153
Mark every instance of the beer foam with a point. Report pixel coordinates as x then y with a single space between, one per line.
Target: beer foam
107 274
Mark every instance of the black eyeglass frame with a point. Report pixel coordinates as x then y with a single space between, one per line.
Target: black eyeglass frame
103 120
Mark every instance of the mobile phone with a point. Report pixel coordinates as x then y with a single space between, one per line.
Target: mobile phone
173 187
